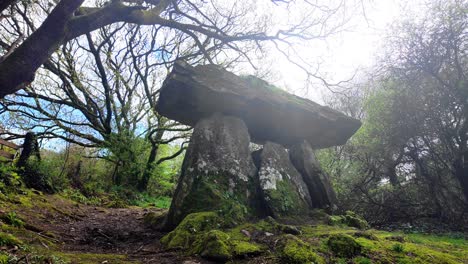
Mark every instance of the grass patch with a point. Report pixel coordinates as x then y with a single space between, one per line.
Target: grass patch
146 200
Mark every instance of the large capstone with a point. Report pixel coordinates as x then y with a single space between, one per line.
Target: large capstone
320 189
283 191
217 172
271 114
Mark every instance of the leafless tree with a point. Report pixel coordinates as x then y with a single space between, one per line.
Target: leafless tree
31 32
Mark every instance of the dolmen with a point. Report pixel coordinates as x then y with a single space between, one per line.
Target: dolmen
221 173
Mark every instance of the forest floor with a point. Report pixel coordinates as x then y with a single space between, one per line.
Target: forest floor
38 228
58 230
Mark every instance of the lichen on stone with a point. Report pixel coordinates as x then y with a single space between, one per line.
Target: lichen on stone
269 177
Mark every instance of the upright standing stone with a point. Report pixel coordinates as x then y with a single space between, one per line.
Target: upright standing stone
217 172
320 189
282 188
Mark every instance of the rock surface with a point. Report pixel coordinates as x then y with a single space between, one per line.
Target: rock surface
281 186
217 172
320 189
271 114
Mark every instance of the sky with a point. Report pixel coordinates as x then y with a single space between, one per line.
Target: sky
353 51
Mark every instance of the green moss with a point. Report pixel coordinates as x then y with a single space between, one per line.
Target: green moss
344 245
349 219
295 251
213 245
285 200
245 249
192 225
9 240
179 239
366 234
3 258
209 193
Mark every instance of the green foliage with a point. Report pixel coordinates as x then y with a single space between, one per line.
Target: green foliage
361 260
13 219
35 174
164 175
9 178
131 153
410 145
147 200
398 247
77 196
4 258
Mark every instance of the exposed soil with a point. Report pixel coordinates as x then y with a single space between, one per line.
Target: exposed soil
88 229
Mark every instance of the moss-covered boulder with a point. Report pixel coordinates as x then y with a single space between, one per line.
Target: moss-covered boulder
344 246
283 191
350 218
217 172
214 245
200 234
193 225
295 251
243 249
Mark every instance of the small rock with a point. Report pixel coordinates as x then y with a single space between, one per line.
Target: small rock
246 233
289 229
190 262
268 234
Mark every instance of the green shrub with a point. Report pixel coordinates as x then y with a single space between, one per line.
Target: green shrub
12 219
398 247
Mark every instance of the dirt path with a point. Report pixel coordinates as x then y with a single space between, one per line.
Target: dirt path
89 229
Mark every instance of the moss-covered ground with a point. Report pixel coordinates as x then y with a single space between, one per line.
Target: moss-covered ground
37 228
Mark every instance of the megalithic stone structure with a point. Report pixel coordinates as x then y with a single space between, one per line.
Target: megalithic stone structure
282 189
271 114
227 112
217 173
318 183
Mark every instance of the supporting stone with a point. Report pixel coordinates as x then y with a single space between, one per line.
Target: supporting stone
283 190
217 172
320 189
